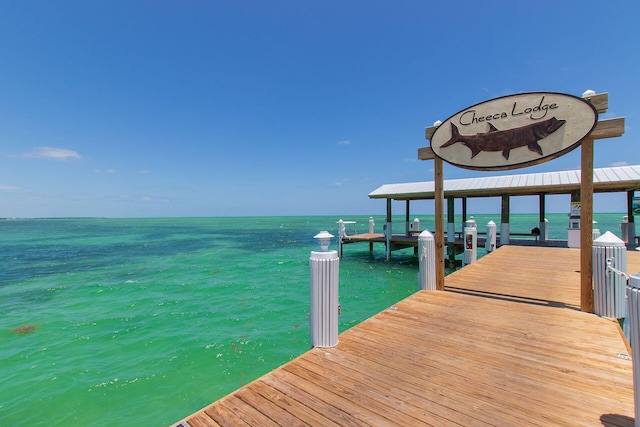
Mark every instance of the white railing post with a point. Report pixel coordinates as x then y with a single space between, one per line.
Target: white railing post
624 229
609 256
490 243
427 254
633 299
544 230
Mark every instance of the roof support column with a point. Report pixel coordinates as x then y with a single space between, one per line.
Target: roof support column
464 212
388 230
451 231
406 219
631 227
504 220
544 232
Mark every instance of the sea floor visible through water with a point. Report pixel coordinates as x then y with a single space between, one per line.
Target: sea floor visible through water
145 321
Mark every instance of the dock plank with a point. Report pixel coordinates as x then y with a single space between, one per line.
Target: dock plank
316 408
291 406
504 344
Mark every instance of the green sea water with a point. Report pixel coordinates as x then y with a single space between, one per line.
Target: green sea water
145 321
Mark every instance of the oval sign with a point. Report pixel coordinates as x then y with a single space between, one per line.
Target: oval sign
514 131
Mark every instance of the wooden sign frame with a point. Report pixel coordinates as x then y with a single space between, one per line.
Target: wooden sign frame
608 128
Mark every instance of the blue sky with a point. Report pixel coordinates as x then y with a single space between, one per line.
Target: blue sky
208 108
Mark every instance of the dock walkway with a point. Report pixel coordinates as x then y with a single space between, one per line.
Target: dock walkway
504 344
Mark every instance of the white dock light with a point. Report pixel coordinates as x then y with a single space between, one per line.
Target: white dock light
437 123
588 93
323 316
324 238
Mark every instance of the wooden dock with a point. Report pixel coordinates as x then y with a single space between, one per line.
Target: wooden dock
504 344
403 241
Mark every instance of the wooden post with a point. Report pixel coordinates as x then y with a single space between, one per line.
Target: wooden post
438 172
586 226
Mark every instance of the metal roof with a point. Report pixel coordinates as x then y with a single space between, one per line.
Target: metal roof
616 179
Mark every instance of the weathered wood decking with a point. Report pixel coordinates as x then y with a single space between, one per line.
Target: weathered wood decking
505 344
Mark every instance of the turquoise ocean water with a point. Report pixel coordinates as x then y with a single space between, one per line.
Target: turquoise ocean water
145 321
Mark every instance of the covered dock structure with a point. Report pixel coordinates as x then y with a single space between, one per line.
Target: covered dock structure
624 179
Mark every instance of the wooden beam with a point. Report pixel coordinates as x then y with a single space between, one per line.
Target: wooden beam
609 128
426 153
428 132
600 101
586 227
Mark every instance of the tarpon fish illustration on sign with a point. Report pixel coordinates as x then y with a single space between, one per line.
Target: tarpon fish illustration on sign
506 140
514 131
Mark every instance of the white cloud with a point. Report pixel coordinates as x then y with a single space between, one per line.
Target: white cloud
110 171
52 153
153 199
344 142
618 164
9 188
